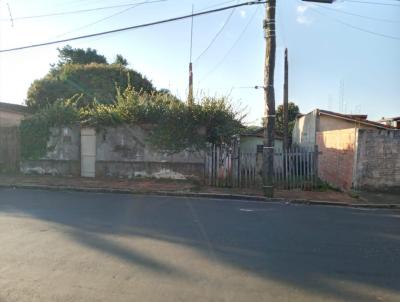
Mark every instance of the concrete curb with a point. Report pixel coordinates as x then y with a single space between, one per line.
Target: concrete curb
250 198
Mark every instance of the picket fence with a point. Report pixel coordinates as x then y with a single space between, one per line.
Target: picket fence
294 168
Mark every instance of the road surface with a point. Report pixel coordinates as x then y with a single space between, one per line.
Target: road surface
71 246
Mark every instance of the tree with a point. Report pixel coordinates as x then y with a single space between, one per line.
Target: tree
69 55
293 111
84 73
120 60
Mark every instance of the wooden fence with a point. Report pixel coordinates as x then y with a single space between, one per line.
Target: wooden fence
294 168
9 149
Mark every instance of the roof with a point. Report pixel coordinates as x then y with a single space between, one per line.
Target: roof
13 108
385 119
260 133
356 118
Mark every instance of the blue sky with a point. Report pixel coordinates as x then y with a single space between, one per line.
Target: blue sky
324 50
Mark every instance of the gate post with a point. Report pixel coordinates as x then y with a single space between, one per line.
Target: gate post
88 152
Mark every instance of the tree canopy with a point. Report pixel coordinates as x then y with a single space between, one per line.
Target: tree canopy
293 111
87 74
69 55
120 60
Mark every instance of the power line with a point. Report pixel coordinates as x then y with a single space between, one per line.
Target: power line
231 48
71 12
135 26
216 36
357 15
356 27
373 3
108 17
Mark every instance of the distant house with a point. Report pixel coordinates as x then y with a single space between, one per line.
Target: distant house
12 114
252 142
308 125
391 121
353 151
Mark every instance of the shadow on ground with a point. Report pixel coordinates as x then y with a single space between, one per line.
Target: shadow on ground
317 249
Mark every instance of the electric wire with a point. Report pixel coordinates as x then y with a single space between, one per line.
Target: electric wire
150 24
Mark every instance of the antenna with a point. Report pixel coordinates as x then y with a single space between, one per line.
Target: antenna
341 97
11 18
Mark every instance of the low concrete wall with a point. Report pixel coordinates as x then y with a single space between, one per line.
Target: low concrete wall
336 158
150 169
125 152
62 157
378 160
51 167
121 152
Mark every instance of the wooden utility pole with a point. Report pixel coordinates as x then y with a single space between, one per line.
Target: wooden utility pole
190 96
286 104
269 97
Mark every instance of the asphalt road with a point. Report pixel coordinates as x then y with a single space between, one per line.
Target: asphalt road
66 246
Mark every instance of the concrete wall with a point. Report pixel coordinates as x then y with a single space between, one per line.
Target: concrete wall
121 152
9 119
378 160
62 157
336 158
304 130
125 152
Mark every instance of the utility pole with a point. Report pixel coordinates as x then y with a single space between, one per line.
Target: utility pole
286 104
190 96
269 98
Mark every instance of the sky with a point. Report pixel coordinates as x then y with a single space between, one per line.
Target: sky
343 57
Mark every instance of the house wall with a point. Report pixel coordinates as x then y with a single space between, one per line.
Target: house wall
304 130
306 127
336 158
329 123
9 119
378 160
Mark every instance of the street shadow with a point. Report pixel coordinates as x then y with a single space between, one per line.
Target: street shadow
317 249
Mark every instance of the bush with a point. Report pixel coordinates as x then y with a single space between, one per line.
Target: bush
175 126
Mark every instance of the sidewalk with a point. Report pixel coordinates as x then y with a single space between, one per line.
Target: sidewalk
186 188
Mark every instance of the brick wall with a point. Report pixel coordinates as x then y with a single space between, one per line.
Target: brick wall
336 158
378 160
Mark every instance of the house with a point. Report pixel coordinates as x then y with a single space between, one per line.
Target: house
308 125
391 121
252 141
12 114
354 153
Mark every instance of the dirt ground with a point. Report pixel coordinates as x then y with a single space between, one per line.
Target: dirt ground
158 185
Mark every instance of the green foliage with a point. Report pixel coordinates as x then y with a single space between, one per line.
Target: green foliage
175 126
69 55
293 111
120 60
92 82
35 130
